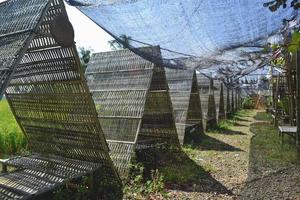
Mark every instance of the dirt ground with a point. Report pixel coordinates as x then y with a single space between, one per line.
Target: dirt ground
232 175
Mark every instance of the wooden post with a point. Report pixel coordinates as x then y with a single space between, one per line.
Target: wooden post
236 100
232 101
276 100
228 109
211 112
221 105
298 98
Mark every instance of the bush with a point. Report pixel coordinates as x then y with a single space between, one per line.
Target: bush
138 187
248 103
283 104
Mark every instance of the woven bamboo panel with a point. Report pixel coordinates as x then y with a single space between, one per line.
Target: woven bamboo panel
207 96
228 101
52 104
232 101
222 103
132 101
203 85
211 120
219 99
225 99
16 26
186 103
217 89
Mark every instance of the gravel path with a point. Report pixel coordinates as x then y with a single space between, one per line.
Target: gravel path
226 158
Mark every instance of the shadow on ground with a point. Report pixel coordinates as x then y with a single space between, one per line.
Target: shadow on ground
188 176
210 143
241 119
238 124
263 116
226 131
274 169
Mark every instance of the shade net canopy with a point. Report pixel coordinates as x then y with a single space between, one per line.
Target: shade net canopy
192 34
259 81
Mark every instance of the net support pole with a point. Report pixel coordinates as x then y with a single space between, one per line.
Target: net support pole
221 104
232 102
298 98
211 120
276 101
228 109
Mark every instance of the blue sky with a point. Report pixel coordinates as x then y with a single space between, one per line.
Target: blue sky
87 33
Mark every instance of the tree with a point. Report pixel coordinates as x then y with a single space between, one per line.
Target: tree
276 4
116 45
85 55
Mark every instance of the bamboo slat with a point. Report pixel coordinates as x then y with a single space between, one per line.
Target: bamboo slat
186 103
47 92
133 104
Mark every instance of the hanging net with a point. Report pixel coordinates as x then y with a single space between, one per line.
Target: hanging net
192 34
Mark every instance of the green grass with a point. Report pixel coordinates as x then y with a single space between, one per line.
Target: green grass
242 113
227 124
180 169
266 146
12 140
263 116
223 125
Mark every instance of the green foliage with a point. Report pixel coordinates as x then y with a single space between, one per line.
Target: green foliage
116 45
269 100
222 125
283 104
72 190
96 186
225 125
274 5
188 172
248 103
295 43
139 188
242 113
12 140
85 56
263 116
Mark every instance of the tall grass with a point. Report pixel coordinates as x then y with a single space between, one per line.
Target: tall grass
266 146
12 140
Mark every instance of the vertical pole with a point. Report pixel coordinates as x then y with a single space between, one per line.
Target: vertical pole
236 100
232 101
273 91
276 100
211 112
298 98
221 104
228 109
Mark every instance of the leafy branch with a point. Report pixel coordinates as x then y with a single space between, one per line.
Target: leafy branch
276 4
116 45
